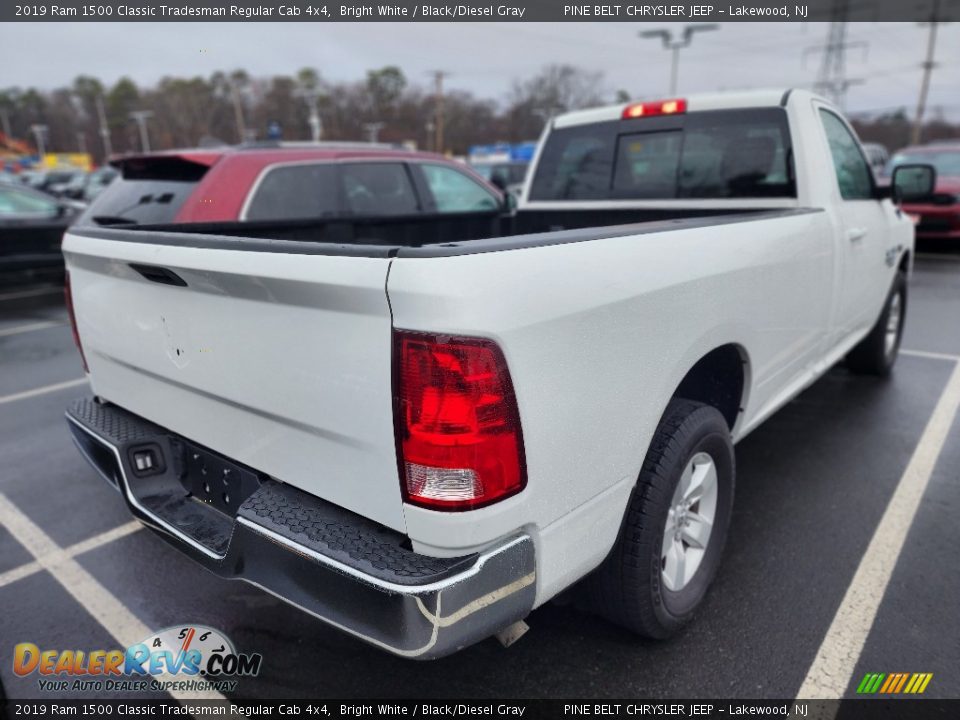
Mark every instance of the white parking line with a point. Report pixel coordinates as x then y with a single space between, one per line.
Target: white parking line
105 608
31 293
19 573
829 675
28 569
41 390
43 325
931 355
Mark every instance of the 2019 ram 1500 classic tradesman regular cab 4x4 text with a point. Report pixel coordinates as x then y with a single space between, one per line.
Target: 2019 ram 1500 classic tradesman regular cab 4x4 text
420 428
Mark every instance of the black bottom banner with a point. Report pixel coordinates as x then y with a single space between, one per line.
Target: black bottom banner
873 709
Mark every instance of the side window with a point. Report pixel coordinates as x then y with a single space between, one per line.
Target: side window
853 173
295 192
14 202
375 188
455 192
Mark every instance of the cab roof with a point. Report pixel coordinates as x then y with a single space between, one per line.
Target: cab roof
728 100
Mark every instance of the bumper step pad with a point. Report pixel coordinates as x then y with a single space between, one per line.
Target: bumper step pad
342 568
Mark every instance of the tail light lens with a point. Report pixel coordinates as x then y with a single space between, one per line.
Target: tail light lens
458 428
68 298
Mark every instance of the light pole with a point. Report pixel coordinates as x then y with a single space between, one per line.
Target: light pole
676 45
312 99
373 131
141 117
40 133
104 129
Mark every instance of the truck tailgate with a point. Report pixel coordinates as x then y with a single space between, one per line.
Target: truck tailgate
278 360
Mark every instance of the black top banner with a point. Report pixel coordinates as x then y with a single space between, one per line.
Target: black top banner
318 11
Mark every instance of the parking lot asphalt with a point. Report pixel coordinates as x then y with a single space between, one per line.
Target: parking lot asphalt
815 483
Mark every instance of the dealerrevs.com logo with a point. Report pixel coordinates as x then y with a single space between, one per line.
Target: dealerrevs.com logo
184 658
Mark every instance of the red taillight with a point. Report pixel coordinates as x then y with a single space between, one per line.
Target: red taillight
458 428
660 107
68 297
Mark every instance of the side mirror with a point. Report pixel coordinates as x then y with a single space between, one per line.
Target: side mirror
913 183
499 181
509 202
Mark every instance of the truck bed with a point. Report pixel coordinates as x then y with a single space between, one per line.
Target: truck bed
431 235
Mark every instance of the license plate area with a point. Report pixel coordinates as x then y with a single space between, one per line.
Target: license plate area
212 479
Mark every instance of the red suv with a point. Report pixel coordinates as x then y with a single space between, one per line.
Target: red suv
288 182
939 218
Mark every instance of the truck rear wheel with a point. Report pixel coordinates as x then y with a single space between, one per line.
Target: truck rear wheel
672 537
877 352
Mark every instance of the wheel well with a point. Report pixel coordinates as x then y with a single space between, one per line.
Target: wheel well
905 263
717 379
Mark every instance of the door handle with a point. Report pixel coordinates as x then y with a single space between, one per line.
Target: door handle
854 234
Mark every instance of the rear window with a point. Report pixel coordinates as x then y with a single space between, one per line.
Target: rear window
149 191
716 154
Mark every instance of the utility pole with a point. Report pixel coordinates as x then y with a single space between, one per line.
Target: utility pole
40 133
373 131
928 66
832 79
5 123
675 46
104 130
238 112
141 117
438 109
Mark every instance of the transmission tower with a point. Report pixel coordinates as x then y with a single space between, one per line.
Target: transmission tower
832 81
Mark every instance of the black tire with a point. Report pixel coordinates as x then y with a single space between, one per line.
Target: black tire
872 356
628 587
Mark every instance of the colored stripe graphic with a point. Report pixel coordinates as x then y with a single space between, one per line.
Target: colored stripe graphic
894 683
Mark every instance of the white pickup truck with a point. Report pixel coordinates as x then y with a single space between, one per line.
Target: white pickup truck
419 433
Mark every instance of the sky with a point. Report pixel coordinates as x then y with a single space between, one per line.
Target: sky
486 58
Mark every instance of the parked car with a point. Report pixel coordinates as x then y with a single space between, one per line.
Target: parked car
96 182
420 436
31 228
54 182
939 217
278 183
